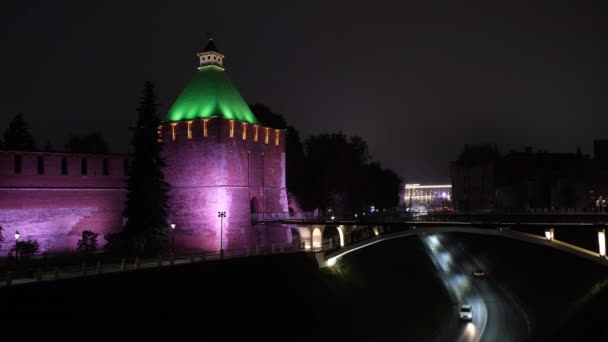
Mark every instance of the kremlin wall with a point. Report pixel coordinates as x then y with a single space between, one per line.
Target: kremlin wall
219 158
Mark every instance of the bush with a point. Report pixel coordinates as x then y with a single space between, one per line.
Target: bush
27 248
88 243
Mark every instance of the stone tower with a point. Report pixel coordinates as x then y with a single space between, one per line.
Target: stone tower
219 158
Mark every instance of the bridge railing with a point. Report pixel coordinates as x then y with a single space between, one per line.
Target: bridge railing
440 217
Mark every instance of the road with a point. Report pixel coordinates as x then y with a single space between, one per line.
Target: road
495 317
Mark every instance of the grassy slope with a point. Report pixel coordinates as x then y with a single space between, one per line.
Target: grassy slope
555 288
388 292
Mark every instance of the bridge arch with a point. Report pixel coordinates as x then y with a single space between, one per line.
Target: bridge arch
600 258
317 238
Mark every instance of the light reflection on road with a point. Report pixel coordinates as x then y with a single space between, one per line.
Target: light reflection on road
458 282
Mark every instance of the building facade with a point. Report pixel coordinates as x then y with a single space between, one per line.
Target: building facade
219 159
529 181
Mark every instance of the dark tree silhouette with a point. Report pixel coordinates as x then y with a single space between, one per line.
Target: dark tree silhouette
92 143
48 147
147 192
88 242
17 136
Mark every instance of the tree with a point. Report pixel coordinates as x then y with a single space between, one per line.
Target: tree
147 191
27 248
49 147
92 143
17 136
88 242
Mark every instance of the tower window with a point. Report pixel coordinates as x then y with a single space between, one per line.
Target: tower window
64 165
40 165
173 131
277 134
205 133
244 131
160 133
83 167
106 168
232 128
266 135
255 133
189 129
17 165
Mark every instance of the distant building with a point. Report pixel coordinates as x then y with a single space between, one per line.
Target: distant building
483 180
427 197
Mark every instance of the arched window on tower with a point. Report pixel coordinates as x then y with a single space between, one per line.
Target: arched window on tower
232 128
244 124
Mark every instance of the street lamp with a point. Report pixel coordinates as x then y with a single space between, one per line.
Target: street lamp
173 238
17 245
221 215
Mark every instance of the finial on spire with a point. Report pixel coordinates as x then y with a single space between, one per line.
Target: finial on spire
210 54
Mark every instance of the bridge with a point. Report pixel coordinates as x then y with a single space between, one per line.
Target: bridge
538 228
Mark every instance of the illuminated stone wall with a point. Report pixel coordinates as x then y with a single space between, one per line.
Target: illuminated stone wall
227 170
53 203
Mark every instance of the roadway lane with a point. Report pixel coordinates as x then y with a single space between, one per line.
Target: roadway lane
495 317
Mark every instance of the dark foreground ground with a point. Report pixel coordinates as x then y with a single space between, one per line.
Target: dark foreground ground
389 292
564 296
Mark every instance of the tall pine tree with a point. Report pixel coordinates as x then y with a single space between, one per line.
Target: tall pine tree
17 136
147 197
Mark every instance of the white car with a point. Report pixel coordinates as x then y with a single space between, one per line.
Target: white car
466 312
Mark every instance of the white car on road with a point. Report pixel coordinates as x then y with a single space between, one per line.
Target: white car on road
466 312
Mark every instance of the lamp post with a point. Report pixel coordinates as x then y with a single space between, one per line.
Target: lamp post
173 238
221 215
17 245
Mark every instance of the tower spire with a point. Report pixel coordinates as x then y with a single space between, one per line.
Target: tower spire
211 54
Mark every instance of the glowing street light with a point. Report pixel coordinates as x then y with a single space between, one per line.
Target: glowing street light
173 238
17 235
221 215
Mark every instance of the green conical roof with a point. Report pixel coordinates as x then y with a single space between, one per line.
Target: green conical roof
210 94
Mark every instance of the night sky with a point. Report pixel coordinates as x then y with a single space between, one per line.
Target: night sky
415 79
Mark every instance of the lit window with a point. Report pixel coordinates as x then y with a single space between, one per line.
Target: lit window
40 165
160 133
255 133
244 131
205 134
276 137
189 129
266 136
173 128
232 128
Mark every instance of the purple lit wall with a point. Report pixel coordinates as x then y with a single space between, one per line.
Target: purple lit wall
222 173
53 197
